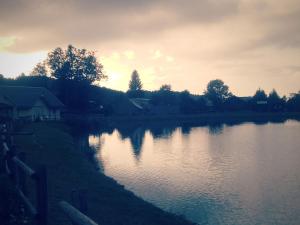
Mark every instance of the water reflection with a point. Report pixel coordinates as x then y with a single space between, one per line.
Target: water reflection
136 136
159 131
221 173
216 128
90 145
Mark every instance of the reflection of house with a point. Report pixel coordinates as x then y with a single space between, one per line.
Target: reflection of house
30 103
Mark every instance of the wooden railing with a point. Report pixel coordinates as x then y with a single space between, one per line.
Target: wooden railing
19 171
16 167
76 217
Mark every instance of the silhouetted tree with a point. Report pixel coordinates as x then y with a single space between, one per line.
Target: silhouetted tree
217 92
39 70
164 96
135 85
275 103
259 101
187 103
2 79
293 103
165 87
34 81
260 95
75 64
74 69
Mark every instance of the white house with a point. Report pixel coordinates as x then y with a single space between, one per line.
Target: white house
30 103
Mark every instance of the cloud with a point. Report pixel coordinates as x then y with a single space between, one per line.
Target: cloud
46 24
231 39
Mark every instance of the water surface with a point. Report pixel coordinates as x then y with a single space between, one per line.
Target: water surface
215 174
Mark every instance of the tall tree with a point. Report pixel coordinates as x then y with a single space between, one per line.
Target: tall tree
74 69
165 87
135 83
259 101
135 86
260 95
75 64
39 70
275 103
293 103
217 92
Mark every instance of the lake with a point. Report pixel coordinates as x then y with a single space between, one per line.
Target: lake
248 173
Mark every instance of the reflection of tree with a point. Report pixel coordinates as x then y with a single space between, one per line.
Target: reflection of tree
136 140
161 131
136 135
215 128
186 129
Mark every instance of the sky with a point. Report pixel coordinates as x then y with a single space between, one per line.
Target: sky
249 44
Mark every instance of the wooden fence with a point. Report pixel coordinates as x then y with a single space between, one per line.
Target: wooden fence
19 172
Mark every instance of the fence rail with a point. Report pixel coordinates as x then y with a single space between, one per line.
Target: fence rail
76 217
19 171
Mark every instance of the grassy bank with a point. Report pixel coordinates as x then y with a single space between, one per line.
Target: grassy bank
68 169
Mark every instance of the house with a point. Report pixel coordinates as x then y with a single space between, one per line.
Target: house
29 103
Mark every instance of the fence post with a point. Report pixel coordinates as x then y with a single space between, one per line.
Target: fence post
21 174
83 207
41 195
79 200
11 167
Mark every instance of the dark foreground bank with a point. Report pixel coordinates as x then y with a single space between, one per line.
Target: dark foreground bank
68 169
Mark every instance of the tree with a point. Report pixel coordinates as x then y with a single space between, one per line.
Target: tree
164 96
189 104
75 64
75 70
293 103
259 101
275 103
135 85
1 79
260 95
165 87
39 70
217 92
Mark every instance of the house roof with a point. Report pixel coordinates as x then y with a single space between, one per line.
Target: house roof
140 103
26 97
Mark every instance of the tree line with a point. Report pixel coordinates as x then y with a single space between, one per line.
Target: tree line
71 73
216 97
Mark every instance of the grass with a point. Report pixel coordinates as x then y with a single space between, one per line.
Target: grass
12 211
68 169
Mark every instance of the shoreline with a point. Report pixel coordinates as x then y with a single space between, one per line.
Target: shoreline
99 122
68 169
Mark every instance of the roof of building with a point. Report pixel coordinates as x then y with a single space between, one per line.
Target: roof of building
140 103
26 97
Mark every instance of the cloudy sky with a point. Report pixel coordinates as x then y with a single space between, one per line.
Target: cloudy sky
246 43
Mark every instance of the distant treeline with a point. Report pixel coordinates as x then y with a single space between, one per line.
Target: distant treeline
82 97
